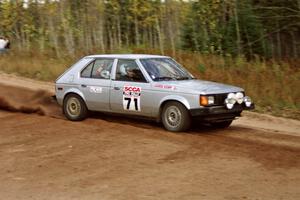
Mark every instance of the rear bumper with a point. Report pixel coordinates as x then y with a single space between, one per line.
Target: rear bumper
219 113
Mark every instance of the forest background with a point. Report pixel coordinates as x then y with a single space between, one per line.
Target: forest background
251 43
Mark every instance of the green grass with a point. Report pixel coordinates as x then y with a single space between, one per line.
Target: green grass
273 85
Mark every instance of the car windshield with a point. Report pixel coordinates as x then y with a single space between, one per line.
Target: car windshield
164 69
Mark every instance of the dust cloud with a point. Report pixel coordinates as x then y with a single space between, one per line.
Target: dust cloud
23 100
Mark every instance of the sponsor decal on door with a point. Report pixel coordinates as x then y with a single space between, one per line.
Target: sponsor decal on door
94 89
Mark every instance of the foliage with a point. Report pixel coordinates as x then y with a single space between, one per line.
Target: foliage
225 27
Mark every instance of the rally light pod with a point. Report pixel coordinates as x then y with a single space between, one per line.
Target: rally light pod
228 103
239 97
230 100
247 101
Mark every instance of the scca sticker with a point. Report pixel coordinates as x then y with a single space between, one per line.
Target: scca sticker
132 98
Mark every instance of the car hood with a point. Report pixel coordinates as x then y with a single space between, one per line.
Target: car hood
201 87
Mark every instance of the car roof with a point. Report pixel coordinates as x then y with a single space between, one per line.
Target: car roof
126 56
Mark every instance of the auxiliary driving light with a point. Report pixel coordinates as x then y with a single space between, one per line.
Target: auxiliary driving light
247 101
239 97
230 100
228 103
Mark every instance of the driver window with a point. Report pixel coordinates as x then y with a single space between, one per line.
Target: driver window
128 70
102 68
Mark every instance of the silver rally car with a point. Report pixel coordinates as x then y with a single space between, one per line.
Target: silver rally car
147 86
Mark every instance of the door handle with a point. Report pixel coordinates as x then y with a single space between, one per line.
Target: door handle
116 88
83 85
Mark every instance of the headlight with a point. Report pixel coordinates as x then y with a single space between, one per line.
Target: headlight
247 101
211 100
207 100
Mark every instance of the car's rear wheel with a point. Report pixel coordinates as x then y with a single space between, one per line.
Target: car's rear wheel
224 124
74 108
175 117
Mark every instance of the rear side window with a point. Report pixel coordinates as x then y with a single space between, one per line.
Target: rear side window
86 73
99 68
102 68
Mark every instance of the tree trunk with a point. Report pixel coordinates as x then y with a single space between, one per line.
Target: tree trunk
136 30
272 47
249 44
194 37
126 34
67 31
279 52
53 36
160 39
294 44
110 39
100 33
171 34
238 37
150 32
119 32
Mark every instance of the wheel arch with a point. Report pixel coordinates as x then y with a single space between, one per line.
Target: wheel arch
74 91
164 101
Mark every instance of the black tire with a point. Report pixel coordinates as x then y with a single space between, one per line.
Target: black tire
175 117
74 108
224 124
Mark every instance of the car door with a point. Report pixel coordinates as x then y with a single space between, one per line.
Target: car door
94 82
130 91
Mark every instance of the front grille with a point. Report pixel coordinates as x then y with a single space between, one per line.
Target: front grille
220 98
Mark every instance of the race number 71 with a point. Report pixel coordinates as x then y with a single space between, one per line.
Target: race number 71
132 98
131 103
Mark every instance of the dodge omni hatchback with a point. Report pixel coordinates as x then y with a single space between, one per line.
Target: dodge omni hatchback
148 86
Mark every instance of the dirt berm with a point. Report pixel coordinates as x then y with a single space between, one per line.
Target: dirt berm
45 156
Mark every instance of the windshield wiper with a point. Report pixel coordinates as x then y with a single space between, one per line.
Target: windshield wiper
164 78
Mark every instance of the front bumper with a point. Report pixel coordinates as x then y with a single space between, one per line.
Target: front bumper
219 113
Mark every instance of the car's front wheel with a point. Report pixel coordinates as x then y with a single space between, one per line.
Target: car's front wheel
74 108
175 117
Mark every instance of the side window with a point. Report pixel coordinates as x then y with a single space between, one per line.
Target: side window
102 68
86 72
128 70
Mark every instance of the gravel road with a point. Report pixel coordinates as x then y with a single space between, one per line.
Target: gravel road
45 156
